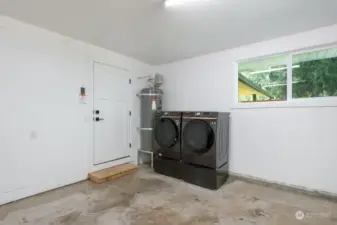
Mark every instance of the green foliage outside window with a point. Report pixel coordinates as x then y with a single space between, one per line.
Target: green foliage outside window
314 74
316 78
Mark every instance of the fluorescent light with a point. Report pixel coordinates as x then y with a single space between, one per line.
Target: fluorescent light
283 84
173 3
272 70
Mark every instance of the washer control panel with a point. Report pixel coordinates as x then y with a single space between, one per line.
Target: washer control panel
168 113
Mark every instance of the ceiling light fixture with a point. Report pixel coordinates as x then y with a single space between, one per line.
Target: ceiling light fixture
173 3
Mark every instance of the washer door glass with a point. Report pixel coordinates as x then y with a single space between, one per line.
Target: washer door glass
166 133
198 136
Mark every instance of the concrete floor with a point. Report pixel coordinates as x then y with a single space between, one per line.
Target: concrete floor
148 198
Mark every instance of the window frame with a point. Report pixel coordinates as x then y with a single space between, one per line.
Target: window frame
329 101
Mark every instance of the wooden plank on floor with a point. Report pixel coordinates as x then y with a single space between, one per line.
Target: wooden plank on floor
111 173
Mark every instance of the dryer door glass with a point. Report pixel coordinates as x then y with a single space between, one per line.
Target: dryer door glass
198 136
166 133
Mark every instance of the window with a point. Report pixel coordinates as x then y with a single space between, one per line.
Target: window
263 80
313 74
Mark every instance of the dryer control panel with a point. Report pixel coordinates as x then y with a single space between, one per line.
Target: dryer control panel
201 114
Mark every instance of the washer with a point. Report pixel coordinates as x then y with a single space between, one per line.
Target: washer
205 139
167 128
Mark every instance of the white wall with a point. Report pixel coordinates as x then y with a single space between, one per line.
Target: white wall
295 146
45 134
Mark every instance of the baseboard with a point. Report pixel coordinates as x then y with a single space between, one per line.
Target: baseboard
283 186
17 195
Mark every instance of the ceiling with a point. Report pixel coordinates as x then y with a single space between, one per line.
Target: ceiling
149 32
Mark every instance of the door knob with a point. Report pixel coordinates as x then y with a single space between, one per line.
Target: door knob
98 119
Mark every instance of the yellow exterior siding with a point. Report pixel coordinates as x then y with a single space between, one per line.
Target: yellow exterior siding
245 90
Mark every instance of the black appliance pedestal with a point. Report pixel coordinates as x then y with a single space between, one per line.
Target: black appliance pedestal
168 167
201 176
205 177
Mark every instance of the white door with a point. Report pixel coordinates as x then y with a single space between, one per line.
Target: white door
112 105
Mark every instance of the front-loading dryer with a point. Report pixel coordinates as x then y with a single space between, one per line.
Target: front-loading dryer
205 139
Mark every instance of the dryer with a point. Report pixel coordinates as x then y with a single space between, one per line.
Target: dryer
205 139
167 128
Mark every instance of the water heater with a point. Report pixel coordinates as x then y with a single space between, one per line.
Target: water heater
150 103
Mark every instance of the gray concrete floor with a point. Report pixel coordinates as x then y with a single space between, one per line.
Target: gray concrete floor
149 198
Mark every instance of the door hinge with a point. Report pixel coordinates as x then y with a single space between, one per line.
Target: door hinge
129 81
129 113
130 145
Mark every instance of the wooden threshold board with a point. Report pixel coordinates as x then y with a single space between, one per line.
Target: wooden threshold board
111 173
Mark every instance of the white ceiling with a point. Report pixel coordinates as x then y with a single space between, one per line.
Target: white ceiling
145 30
